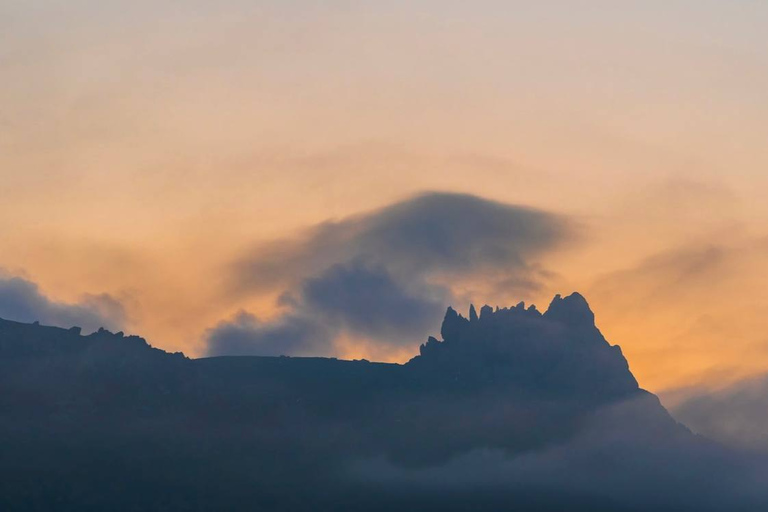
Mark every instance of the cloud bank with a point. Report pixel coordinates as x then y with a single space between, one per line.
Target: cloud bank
618 458
736 416
22 301
384 275
429 234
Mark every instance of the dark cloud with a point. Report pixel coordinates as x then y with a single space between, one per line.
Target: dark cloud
737 416
370 301
429 234
292 334
385 275
22 301
355 298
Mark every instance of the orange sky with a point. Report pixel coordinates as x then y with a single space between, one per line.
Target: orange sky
145 148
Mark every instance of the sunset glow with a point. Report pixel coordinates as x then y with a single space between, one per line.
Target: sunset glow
146 151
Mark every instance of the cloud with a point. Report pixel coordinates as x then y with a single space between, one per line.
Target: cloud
429 234
245 335
612 461
386 275
737 415
22 301
671 272
371 302
354 298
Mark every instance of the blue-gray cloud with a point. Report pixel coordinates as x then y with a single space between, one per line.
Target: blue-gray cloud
21 300
372 302
433 233
737 416
355 298
385 275
293 334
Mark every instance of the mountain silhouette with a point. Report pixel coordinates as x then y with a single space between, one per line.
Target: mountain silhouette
532 402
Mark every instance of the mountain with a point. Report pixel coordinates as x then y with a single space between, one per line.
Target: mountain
513 409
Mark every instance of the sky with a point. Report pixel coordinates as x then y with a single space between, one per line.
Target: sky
324 178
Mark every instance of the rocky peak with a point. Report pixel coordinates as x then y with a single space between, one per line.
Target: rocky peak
561 349
572 310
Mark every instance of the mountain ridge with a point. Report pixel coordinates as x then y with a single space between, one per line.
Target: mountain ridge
107 410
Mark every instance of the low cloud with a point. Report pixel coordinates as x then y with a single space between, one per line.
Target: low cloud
354 298
386 275
246 335
607 465
21 300
737 415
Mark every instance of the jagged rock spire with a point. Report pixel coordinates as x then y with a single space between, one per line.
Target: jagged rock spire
559 350
452 324
472 313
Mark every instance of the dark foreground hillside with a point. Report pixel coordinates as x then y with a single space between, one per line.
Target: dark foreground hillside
512 410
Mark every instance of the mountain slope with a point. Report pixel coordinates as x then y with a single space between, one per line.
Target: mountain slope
107 422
